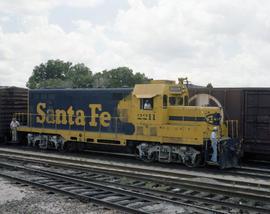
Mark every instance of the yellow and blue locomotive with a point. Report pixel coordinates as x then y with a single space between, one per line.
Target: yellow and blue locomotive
153 121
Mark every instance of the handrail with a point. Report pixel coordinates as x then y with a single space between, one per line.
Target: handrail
233 128
22 118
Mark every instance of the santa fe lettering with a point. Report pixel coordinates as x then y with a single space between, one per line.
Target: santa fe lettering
71 117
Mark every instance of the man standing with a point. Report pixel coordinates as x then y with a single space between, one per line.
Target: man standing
214 141
147 105
13 126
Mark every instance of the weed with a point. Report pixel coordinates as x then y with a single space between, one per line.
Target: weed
124 180
131 181
149 185
162 187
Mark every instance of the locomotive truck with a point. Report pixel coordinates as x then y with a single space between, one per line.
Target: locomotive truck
169 131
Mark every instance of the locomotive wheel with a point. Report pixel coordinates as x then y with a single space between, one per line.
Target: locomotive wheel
151 158
66 147
190 163
36 145
59 149
137 154
145 158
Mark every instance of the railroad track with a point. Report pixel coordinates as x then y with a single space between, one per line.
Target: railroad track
96 192
249 179
201 194
85 191
245 170
256 173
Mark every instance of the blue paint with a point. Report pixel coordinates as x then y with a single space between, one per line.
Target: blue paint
80 99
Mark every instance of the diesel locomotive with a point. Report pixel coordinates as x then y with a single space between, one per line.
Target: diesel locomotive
167 129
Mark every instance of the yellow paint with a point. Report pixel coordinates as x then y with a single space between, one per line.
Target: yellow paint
94 115
164 124
148 90
41 118
70 115
80 118
105 117
50 116
61 116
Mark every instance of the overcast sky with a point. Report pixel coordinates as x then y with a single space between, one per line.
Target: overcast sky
225 42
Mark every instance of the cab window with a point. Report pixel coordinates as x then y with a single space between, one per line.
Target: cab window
164 101
146 103
179 101
186 100
172 101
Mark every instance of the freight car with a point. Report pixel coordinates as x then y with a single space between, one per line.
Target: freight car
250 107
12 100
152 121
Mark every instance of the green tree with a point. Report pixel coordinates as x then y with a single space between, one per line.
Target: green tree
209 85
52 83
80 76
60 74
98 80
140 79
119 77
49 74
57 73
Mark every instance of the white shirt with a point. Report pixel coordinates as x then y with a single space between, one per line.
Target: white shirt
14 124
213 136
147 106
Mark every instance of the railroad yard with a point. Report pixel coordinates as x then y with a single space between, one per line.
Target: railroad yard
44 182
134 107
158 159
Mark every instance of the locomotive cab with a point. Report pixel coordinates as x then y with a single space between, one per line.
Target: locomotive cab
167 129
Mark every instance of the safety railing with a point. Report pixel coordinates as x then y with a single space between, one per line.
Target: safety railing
71 122
233 128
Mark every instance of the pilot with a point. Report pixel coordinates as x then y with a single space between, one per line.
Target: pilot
147 105
214 142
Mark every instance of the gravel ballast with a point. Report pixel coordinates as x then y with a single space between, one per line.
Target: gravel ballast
15 198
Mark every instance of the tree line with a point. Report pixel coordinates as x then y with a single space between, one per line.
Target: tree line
60 74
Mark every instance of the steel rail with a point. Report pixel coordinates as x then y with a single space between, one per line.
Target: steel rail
234 190
173 195
83 198
178 196
88 183
180 175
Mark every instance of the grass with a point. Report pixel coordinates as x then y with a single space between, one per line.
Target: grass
124 180
162 187
149 185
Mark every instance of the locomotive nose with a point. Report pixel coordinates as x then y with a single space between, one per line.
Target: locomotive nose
213 119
